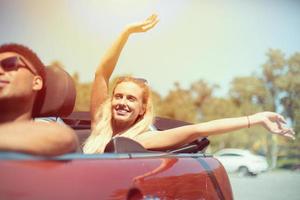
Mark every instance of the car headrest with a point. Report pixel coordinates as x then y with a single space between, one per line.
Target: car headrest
58 98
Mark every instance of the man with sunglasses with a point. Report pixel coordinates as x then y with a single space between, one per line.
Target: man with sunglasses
21 79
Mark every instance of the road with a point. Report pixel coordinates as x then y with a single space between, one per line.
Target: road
275 185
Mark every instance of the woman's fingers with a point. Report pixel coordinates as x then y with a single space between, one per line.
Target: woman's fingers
276 124
152 17
288 132
152 20
281 119
291 131
144 26
278 127
150 25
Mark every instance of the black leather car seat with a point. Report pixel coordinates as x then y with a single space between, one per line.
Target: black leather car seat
58 97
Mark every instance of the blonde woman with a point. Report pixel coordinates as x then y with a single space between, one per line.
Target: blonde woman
128 111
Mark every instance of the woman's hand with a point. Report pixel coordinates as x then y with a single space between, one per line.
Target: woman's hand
144 26
273 122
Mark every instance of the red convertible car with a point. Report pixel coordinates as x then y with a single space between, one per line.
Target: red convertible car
125 171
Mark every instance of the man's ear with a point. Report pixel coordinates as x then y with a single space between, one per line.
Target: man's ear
37 83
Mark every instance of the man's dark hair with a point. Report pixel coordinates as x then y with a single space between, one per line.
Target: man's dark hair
32 57
26 53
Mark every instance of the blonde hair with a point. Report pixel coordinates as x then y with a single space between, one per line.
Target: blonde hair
103 132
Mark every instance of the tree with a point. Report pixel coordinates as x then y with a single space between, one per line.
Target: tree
250 95
273 70
178 104
83 94
289 86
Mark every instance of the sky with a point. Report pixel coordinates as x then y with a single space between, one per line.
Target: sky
213 40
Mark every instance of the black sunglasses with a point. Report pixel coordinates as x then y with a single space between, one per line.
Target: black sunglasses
14 63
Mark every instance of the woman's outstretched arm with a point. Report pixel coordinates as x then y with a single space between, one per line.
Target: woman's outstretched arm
176 137
109 61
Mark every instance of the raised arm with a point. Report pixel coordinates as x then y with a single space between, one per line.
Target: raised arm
273 122
39 138
109 61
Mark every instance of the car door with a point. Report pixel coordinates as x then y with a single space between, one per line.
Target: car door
114 176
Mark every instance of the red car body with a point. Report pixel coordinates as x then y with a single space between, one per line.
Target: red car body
114 177
129 175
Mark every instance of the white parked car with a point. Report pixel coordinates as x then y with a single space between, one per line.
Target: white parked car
242 161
